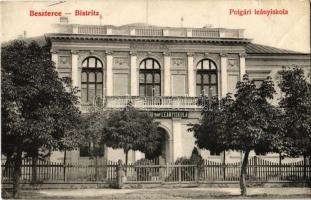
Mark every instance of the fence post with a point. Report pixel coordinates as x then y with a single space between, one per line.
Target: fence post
120 175
255 166
96 168
179 172
280 166
161 170
304 167
224 166
64 165
196 173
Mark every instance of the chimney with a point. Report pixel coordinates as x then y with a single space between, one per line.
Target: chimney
63 20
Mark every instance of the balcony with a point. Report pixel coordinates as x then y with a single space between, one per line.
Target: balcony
145 103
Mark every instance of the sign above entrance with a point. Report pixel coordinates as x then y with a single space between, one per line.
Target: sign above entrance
170 114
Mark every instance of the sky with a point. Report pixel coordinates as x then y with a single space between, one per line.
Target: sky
291 31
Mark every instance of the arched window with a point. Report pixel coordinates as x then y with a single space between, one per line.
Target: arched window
91 79
149 78
206 81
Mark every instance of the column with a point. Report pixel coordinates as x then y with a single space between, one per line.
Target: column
167 74
134 77
224 84
177 141
242 65
54 58
109 83
191 75
75 75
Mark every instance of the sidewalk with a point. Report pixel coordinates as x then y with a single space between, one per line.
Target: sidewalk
165 193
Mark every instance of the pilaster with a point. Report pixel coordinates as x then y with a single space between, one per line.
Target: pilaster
191 75
224 82
134 77
242 65
167 74
54 58
109 74
75 71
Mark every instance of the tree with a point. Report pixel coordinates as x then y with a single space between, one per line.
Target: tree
131 129
248 122
296 104
93 126
38 115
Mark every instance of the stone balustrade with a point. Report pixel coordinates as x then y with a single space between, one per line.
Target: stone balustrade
146 103
149 31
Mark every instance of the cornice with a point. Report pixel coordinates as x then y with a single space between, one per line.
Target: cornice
242 55
144 38
301 56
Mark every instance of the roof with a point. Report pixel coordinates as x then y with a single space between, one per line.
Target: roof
252 48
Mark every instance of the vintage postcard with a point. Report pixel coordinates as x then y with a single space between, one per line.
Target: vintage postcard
162 99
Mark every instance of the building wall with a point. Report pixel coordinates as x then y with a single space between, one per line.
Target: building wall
178 75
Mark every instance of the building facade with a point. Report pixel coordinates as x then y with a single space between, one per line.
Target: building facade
164 70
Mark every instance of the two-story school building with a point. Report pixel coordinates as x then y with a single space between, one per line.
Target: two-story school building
163 70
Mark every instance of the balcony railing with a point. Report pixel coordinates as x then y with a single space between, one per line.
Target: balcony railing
149 31
146 103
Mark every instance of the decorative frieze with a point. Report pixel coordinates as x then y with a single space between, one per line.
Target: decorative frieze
64 60
233 65
178 63
120 62
148 47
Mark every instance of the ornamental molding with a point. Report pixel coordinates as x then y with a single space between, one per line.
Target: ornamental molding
64 59
133 53
166 53
96 54
109 52
190 54
223 54
58 36
143 55
242 55
214 57
74 51
148 47
178 62
120 62
233 64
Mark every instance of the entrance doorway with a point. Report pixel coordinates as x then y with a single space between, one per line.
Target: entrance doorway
163 149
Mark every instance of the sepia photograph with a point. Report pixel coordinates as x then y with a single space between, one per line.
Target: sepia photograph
155 99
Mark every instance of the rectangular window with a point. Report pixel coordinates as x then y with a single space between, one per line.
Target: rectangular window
83 93
149 90
99 90
91 92
142 90
199 92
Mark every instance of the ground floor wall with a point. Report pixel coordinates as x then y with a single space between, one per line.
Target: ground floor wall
179 142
